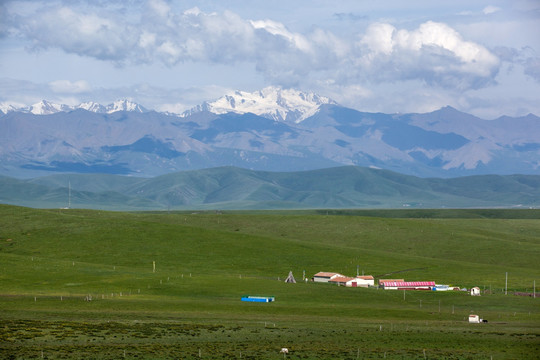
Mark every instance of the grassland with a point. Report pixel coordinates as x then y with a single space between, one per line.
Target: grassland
80 284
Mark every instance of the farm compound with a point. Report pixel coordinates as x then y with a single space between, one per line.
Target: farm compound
387 284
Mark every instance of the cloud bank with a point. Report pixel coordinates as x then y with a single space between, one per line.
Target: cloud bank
433 52
478 58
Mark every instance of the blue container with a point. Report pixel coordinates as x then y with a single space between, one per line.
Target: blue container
253 298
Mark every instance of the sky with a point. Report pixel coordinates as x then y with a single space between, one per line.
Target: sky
392 56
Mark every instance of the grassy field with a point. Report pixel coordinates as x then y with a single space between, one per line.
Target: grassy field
79 284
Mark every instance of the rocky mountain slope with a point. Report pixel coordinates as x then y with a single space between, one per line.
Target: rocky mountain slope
273 130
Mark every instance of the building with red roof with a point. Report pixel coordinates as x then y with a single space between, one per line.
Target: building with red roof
325 276
407 285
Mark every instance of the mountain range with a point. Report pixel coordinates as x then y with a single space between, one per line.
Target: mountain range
272 129
235 188
45 107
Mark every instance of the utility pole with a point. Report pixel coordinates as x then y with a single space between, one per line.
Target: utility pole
506 285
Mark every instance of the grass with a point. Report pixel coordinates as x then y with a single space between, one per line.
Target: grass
51 261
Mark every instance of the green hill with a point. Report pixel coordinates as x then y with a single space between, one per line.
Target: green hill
189 304
234 188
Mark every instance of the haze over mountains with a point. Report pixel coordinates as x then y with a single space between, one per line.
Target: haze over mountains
272 130
235 188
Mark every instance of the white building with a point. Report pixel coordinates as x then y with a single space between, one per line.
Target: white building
325 276
475 291
341 280
362 281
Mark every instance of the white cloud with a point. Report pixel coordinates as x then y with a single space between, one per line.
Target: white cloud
532 67
379 39
66 86
278 29
160 43
433 52
490 9
160 7
87 34
147 39
525 58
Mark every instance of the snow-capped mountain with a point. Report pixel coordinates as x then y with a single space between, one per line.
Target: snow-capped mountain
45 107
273 130
93 107
124 105
6 108
271 102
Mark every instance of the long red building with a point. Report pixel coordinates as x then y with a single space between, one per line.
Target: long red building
407 285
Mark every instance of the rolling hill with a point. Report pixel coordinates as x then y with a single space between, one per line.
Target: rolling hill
235 188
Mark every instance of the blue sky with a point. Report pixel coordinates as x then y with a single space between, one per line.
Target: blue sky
481 57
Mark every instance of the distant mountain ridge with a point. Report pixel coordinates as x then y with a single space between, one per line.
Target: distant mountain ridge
271 102
234 188
273 130
45 107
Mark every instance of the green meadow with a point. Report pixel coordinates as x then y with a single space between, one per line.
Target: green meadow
88 284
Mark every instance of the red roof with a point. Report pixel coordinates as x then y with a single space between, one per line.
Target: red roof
340 279
409 283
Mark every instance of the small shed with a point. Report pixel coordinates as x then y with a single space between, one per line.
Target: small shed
474 319
475 291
